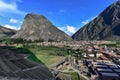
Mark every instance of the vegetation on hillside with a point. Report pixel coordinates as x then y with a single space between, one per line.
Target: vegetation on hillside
48 54
42 54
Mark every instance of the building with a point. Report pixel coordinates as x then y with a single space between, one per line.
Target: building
105 70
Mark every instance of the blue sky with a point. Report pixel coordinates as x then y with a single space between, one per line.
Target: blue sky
67 15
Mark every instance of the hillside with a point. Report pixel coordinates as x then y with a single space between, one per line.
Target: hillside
104 27
6 32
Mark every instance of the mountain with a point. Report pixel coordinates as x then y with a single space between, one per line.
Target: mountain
37 27
104 27
6 32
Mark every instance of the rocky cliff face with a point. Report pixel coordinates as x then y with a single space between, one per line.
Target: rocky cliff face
37 27
6 32
104 27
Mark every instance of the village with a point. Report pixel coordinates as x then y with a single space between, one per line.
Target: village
85 60
93 60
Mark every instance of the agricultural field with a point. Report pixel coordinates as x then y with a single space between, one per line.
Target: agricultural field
47 55
74 75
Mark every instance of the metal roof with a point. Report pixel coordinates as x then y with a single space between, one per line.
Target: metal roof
109 74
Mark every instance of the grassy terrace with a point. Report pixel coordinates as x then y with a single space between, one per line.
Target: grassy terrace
47 55
74 75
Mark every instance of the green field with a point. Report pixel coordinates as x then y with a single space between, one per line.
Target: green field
74 75
47 55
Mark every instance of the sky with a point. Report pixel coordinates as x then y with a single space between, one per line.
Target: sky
67 15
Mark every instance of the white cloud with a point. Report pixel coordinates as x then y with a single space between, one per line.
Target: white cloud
87 20
10 7
13 20
11 27
70 30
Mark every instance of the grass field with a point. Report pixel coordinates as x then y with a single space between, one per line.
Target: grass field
74 75
48 60
47 55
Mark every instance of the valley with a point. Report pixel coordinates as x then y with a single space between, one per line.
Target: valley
48 47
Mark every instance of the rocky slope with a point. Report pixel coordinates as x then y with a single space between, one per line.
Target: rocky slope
16 66
6 32
36 27
104 27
